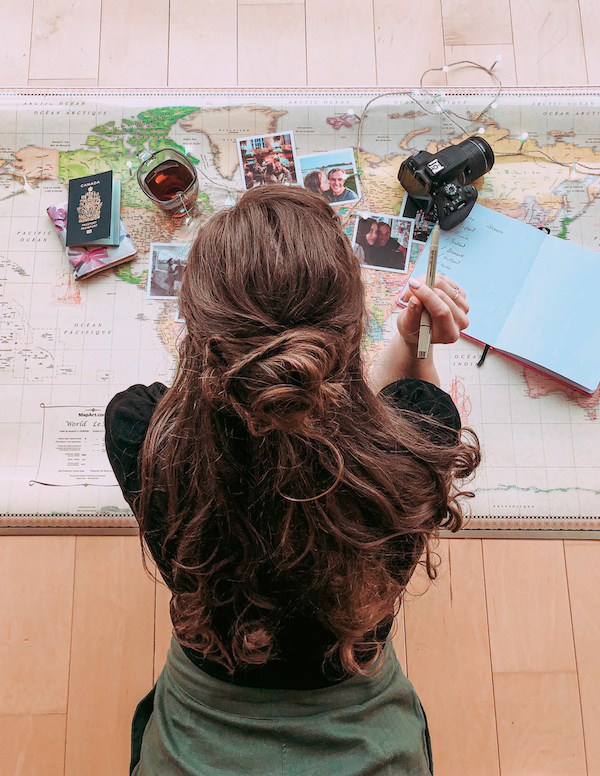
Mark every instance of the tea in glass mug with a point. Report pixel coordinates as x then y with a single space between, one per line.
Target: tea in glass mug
170 180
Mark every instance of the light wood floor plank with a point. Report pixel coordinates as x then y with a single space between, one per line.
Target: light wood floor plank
505 69
468 23
528 606
448 657
65 39
270 2
134 50
402 56
548 42
203 43
590 22
62 83
583 573
15 40
271 44
111 655
33 745
36 579
340 46
539 727
538 709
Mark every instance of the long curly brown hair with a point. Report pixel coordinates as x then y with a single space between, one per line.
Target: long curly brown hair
273 478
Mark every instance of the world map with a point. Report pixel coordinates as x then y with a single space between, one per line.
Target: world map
66 346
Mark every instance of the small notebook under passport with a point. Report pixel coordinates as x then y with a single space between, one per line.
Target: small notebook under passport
88 260
533 297
94 210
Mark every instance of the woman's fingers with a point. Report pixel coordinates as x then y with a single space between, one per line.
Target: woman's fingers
446 304
454 293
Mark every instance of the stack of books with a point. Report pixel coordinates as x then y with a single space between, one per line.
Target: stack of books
89 224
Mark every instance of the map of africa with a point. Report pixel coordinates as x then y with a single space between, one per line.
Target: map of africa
66 347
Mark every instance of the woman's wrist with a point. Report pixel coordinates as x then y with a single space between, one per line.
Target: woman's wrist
398 361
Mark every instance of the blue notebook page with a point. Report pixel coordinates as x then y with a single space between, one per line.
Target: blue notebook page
554 321
474 254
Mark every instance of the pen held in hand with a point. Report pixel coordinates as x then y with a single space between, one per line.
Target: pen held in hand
425 323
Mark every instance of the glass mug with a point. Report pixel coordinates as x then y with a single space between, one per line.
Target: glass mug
170 180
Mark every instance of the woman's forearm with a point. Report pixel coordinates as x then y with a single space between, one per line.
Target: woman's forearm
398 360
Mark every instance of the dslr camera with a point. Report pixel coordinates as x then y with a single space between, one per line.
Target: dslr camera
440 184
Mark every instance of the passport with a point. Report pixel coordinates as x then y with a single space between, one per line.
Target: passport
92 212
88 260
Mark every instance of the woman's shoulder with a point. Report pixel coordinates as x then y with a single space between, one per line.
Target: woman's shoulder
129 412
126 421
425 399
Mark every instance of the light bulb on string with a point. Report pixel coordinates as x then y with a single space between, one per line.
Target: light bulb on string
495 62
523 137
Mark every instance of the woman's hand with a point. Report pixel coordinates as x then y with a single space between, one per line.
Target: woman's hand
448 308
446 303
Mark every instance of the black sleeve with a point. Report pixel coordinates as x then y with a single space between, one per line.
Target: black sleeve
430 403
126 422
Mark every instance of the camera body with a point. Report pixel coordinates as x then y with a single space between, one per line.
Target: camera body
440 184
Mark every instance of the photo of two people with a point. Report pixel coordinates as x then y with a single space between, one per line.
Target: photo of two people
382 242
333 175
267 159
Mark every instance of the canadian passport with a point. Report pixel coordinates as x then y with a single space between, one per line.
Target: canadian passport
90 209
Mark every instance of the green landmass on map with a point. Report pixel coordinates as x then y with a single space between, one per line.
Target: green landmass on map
123 272
116 147
148 132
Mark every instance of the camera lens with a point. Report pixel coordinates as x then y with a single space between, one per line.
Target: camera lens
479 157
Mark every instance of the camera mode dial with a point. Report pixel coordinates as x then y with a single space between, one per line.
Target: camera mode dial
453 203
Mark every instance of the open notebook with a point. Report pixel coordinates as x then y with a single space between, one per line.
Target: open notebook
532 296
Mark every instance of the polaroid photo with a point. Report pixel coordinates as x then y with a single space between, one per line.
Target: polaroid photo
383 242
423 223
268 159
165 270
333 175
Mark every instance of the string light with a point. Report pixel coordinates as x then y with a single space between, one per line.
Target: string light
417 95
495 62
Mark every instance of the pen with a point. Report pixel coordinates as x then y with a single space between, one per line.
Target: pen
425 323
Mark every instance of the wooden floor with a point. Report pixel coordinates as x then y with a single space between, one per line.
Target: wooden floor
503 650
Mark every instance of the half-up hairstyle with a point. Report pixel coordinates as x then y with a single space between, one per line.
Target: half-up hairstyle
273 479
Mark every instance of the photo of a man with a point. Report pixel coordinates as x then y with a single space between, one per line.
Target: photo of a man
338 191
387 251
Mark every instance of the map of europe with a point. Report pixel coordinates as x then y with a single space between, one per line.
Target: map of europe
66 346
